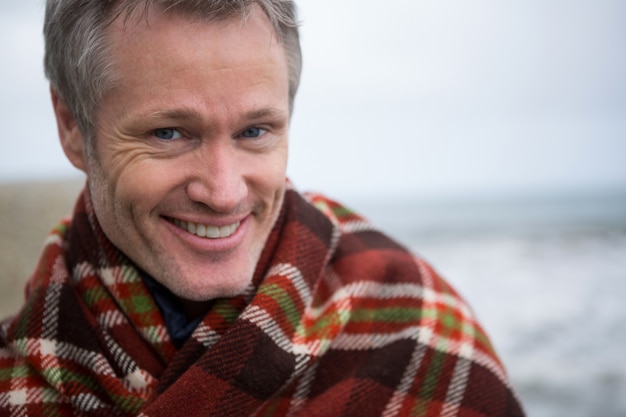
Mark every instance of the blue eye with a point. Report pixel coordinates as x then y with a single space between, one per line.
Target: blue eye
167 134
253 132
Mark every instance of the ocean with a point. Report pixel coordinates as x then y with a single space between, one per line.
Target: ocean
547 279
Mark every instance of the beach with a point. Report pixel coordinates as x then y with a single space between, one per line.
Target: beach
546 278
29 210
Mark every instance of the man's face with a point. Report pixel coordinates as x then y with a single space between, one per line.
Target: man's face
191 149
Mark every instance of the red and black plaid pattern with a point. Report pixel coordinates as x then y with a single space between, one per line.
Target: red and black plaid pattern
340 321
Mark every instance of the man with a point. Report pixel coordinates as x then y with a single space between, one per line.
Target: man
192 278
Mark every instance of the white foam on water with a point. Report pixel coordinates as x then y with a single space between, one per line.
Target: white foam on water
552 301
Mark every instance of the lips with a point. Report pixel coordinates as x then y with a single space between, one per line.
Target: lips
206 230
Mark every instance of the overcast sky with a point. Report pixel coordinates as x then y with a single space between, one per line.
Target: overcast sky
407 97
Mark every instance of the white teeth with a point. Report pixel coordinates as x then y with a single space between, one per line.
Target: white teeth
225 231
205 230
213 232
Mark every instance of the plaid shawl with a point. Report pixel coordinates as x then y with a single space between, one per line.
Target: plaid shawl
340 321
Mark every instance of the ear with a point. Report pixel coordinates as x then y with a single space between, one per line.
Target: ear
70 136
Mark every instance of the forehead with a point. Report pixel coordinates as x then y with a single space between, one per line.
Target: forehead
149 33
166 60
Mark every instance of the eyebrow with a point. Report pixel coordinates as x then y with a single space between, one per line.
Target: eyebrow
190 114
179 114
271 112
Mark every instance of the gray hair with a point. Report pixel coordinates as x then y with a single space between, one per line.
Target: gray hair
77 60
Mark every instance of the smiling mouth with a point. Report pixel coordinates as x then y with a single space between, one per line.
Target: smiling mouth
206 230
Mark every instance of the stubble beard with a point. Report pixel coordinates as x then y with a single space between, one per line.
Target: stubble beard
185 282
198 285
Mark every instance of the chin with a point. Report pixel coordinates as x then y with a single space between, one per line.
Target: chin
203 291
212 294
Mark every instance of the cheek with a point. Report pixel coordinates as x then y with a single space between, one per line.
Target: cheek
269 184
141 186
271 170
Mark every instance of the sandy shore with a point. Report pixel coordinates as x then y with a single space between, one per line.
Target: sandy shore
28 212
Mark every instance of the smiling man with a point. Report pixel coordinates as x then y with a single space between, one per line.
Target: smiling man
187 171
192 279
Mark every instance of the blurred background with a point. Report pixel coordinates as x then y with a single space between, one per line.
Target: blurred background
487 136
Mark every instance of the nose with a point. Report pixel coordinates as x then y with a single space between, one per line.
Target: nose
217 177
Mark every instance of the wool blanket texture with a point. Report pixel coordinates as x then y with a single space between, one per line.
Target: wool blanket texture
340 320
